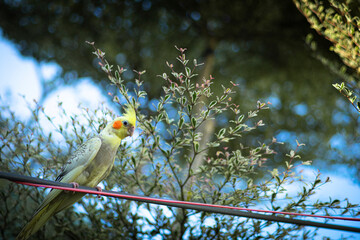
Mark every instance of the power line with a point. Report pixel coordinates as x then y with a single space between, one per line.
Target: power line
226 210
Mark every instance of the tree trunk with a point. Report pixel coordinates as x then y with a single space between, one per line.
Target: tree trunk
208 127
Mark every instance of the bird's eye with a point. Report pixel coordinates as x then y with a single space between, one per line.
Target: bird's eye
125 123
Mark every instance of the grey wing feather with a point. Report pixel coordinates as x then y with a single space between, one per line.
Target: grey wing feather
83 155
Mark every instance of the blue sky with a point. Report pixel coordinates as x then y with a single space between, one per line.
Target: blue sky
20 77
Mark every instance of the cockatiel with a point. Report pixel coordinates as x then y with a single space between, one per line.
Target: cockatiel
87 166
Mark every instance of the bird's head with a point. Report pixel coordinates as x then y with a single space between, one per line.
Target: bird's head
123 126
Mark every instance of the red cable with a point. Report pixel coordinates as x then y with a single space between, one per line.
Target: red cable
184 202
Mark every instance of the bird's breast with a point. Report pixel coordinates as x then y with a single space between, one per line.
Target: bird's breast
101 165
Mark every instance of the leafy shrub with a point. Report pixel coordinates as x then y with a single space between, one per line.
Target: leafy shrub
160 162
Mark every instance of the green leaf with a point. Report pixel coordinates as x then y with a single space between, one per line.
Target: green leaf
142 94
166 98
181 122
160 116
250 182
273 196
159 106
352 99
189 107
196 146
193 122
212 104
240 118
292 153
183 100
237 128
117 75
337 86
194 96
306 162
175 74
277 179
206 114
223 97
221 132
342 86
188 71
288 165
345 211
317 181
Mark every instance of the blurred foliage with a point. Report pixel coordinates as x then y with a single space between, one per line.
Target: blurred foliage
338 22
158 162
256 44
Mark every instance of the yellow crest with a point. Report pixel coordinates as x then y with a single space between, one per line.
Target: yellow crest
130 114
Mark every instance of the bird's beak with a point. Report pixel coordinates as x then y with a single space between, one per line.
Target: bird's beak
131 131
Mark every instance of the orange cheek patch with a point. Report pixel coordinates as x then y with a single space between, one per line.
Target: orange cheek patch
117 124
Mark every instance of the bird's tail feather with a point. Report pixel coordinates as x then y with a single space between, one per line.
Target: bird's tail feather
38 220
63 200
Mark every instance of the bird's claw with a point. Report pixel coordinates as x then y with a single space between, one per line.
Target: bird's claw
100 190
75 185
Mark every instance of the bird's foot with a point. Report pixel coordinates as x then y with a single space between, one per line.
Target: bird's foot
75 185
100 190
